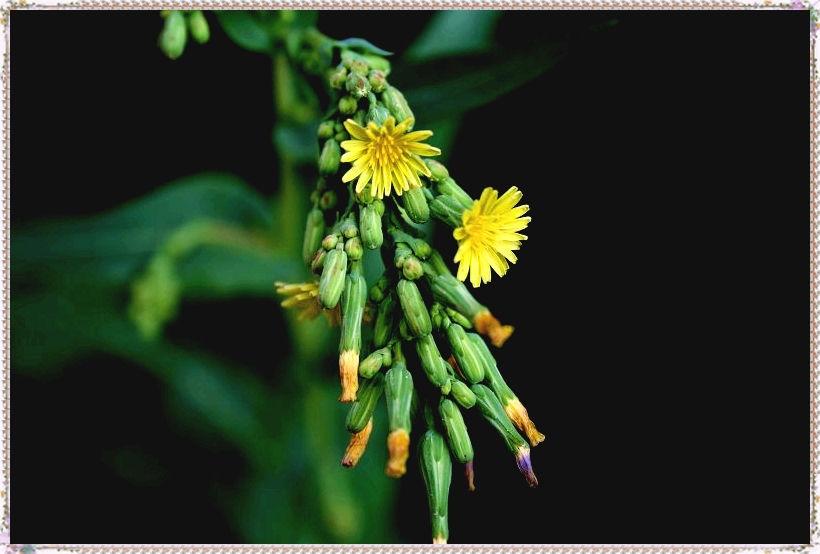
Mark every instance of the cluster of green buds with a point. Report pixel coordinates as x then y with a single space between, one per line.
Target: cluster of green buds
416 336
177 24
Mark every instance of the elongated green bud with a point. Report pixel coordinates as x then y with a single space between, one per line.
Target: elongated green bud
353 302
199 26
416 205
465 353
490 407
398 390
395 102
368 398
401 253
370 227
385 320
447 209
314 233
449 187
437 170
431 360
457 435
415 311
329 157
437 471
458 318
412 268
174 35
374 361
462 394
332 280
451 292
513 407
379 289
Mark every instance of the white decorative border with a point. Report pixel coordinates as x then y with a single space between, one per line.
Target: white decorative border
814 493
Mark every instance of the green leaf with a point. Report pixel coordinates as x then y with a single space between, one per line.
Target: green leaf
452 32
110 248
245 30
440 88
363 46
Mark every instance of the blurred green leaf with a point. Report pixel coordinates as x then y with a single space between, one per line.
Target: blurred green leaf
443 87
245 30
110 248
452 32
363 46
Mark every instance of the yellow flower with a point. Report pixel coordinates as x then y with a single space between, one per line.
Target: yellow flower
386 157
489 234
304 298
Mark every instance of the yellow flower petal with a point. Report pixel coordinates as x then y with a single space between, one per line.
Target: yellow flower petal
386 157
487 236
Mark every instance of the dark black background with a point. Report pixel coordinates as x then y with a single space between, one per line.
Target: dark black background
659 302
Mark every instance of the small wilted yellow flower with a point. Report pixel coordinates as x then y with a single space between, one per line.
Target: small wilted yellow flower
304 298
386 157
489 234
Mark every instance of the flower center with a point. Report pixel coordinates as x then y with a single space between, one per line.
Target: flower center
385 150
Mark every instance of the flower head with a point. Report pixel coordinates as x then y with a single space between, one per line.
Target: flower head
386 157
489 234
304 298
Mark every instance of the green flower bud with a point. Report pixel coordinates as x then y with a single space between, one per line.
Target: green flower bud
338 78
378 204
329 158
348 105
325 130
397 105
398 391
370 223
314 232
354 249
446 387
457 436
431 361
371 365
437 170
451 292
458 318
330 241
448 187
464 351
385 320
199 26
318 261
416 205
377 114
447 210
354 298
377 63
378 80
414 309
357 85
490 407
462 394
367 399
332 281
174 35
401 254
348 228
437 471
328 200
412 268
